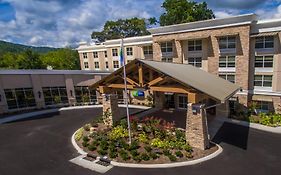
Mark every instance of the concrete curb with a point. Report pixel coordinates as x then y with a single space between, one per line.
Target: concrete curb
164 165
47 111
276 130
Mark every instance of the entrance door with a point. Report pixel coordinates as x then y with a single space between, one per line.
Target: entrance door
169 100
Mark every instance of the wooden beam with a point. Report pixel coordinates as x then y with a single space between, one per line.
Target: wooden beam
192 98
103 89
140 75
120 86
169 89
155 81
129 80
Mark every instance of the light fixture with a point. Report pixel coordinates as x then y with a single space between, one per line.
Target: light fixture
0 97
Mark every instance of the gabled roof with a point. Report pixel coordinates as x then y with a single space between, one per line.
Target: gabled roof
201 80
188 76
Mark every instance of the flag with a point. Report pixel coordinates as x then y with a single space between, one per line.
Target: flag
122 59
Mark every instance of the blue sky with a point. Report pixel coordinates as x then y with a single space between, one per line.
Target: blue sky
61 23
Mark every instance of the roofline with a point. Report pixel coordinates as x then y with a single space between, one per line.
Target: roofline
51 72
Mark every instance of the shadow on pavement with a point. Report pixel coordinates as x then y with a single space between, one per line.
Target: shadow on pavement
233 134
49 115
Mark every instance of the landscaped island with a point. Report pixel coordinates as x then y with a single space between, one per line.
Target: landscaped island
153 141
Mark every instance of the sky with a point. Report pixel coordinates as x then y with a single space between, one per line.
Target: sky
62 23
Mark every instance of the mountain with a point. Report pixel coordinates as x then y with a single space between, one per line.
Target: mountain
17 48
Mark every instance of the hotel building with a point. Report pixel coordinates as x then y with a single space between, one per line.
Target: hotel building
240 49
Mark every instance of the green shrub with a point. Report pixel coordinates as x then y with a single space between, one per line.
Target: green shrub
118 132
85 144
180 135
95 143
123 123
137 158
92 147
79 134
153 155
166 152
148 148
134 153
104 145
172 158
142 137
145 157
87 127
187 148
124 155
179 154
86 139
157 142
102 152
113 154
123 144
189 155
134 145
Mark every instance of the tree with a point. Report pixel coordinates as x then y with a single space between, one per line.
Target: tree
122 28
61 59
9 61
29 60
182 11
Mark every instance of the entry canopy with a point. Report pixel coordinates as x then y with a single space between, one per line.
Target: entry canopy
169 77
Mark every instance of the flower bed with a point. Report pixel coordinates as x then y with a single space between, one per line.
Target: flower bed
153 141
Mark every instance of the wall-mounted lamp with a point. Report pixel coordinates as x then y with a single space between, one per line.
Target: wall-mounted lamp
0 97
71 93
39 94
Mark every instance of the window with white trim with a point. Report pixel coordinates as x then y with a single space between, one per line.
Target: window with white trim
86 65
115 64
263 80
95 54
195 45
229 77
227 42
97 65
147 50
115 52
105 54
262 105
106 65
166 59
85 56
227 61
195 61
264 42
264 61
129 51
182 101
167 47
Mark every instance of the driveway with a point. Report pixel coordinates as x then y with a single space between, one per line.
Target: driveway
42 146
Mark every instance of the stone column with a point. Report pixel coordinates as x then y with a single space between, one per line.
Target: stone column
222 110
157 54
158 100
37 90
110 108
196 127
70 90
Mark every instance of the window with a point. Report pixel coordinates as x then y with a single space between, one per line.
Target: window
264 42
129 51
20 98
195 45
228 42
147 50
85 56
97 65
197 61
264 61
95 54
229 77
263 80
55 95
105 54
166 47
85 95
106 65
167 59
115 64
262 106
182 101
115 52
227 61
86 65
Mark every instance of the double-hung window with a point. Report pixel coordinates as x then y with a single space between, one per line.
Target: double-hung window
195 61
264 61
195 45
147 50
115 52
264 42
105 54
166 59
263 80
97 65
229 77
227 61
129 51
167 47
115 64
85 56
95 54
86 65
227 42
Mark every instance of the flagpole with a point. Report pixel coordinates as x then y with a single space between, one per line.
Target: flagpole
126 91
